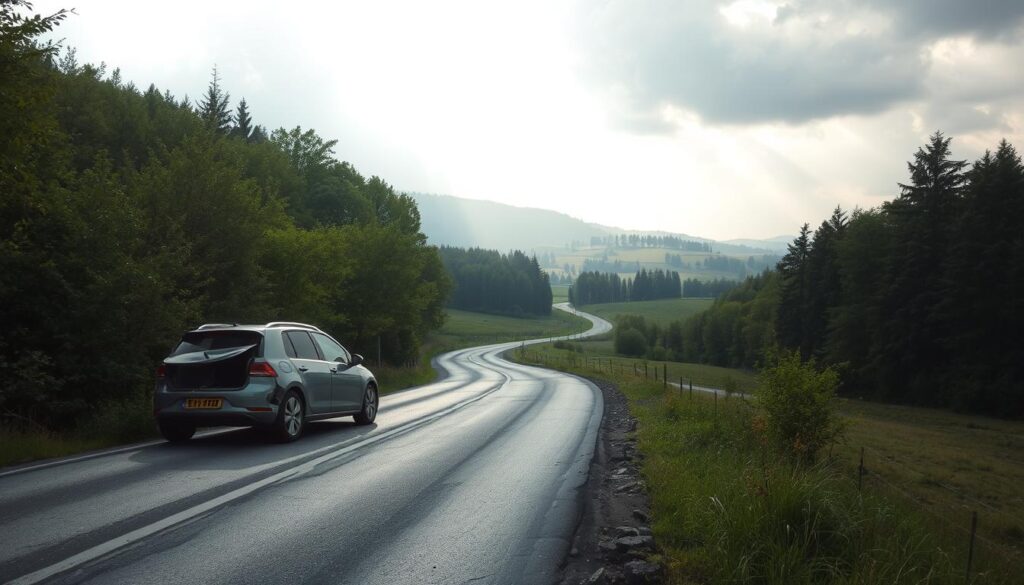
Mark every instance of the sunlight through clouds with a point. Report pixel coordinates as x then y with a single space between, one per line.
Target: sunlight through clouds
734 119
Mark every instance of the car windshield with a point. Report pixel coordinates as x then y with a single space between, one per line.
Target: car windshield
209 340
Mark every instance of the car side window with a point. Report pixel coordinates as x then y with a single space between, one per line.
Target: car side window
331 349
304 348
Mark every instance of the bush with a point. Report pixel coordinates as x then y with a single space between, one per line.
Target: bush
630 342
800 405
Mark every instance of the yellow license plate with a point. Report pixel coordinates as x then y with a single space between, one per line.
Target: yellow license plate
211 403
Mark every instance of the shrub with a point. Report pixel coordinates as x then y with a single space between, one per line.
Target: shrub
630 342
800 405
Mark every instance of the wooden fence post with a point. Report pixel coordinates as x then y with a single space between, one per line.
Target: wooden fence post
860 470
970 548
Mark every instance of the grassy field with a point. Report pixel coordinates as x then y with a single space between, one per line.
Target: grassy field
559 293
662 311
727 511
952 464
602 355
649 258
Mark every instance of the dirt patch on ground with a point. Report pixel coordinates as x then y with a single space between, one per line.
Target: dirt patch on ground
613 539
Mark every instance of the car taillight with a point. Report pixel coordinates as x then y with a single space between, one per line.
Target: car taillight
262 369
161 371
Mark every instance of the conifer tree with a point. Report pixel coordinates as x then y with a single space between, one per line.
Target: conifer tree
243 122
214 107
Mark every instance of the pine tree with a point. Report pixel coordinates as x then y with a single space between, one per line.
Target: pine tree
908 354
243 122
793 298
214 107
823 290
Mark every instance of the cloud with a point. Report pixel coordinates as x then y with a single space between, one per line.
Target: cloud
939 18
756 61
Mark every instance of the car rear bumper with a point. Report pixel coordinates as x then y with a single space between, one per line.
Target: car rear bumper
238 408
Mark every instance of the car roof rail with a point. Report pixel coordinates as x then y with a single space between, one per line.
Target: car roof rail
293 324
215 326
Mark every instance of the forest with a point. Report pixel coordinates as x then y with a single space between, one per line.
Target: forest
128 216
918 301
603 287
488 281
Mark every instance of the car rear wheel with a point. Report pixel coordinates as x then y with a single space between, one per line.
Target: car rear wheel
291 418
370 405
176 432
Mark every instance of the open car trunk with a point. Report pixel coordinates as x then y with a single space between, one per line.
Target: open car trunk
212 360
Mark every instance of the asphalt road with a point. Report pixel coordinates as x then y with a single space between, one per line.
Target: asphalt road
473 478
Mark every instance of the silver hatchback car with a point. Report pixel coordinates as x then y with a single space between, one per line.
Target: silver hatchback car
276 376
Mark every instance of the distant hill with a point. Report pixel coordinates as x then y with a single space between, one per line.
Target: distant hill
461 222
777 244
455 221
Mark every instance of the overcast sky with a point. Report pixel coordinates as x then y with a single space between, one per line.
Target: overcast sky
720 119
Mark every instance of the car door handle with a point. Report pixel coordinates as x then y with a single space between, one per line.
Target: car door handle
303 368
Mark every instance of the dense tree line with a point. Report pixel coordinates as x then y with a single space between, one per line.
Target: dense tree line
599 287
650 241
646 285
727 264
491 282
919 301
128 216
696 288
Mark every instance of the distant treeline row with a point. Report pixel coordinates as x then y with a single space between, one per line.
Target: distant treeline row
920 301
128 216
640 241
491 282
603 287
728 264
694 288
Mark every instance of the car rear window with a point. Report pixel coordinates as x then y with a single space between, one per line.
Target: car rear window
207 340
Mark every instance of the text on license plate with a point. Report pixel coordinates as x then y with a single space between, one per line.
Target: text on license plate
203 402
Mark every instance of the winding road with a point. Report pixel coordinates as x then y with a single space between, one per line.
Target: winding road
471 479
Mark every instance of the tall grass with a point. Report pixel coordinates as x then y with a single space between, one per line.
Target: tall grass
727 508
109 424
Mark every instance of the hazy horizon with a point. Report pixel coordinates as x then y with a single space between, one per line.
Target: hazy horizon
727 120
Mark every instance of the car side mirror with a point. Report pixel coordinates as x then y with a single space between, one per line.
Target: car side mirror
356 359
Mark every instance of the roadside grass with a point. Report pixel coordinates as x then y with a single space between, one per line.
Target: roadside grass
661 311
559 293
727 509
110 424
467 329
19 445
601 354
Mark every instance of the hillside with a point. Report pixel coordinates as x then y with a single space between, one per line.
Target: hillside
456 221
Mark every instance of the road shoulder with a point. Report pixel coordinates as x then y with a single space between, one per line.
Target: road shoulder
613 540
